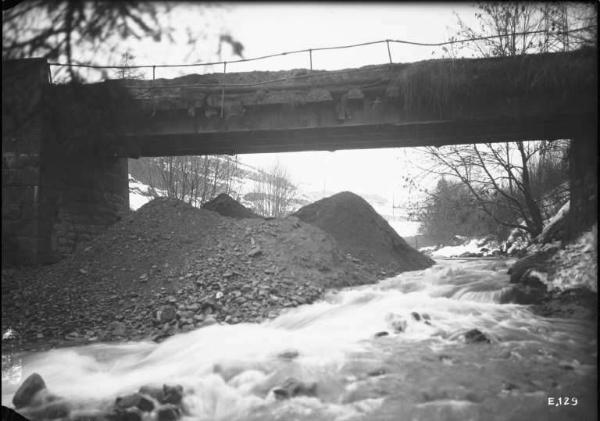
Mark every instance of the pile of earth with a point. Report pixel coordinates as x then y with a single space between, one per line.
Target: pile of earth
362 233
170 267
227 206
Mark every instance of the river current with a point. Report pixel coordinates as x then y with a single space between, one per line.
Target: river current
425 372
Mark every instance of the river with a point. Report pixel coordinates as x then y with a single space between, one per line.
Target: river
425 372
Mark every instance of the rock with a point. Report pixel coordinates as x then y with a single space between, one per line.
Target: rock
32 384
415 316
166 314
256 251
580 303
471 254
376 372
172 394
397 323
118 328
208 306
135 400
153 391
168 413
476 336
382 333
208 321
530 290
292 387
51 411
537 261
288 355
42 397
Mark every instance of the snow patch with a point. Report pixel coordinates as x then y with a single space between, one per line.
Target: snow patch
577 263
140 193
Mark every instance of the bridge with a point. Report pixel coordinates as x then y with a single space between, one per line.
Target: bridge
65 146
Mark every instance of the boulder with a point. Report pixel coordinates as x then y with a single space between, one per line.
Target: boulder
531 289
537 261
292 387
172 394
24 395
476 336
288 355
50 411
135 400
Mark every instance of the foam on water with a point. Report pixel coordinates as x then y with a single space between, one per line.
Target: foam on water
228 371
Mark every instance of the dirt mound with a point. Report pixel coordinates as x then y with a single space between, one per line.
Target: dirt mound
227 206
153 272
363 233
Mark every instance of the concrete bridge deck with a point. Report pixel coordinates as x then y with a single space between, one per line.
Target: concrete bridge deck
435 102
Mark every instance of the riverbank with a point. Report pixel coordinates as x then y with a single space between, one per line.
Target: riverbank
559 278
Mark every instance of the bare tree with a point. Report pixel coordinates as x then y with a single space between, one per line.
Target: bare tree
56 29
94 30
517 28
509 182
513 175
193 179
273 192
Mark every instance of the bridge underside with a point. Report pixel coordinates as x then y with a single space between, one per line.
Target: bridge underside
362 136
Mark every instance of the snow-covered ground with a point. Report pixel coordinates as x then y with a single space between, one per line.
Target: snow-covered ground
404 228
140 193
453 251
577 263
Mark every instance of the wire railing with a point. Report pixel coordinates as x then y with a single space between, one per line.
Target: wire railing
311 50
311 74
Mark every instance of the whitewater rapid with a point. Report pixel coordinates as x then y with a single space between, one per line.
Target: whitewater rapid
228 372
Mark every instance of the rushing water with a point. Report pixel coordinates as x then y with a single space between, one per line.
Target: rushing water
426 372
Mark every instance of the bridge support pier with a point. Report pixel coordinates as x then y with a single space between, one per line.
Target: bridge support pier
583 174
53 196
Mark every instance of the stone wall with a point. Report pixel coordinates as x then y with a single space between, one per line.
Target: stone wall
23 114
55 195
81 198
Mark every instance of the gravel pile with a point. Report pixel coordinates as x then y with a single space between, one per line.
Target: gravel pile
360 231
171 267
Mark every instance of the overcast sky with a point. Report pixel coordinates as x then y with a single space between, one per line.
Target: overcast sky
277 27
